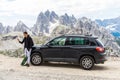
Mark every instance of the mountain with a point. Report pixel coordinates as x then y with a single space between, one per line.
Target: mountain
8 29
45 22
42 24
5 29
1 28
52 16
67 20
113 25
21 27
48 20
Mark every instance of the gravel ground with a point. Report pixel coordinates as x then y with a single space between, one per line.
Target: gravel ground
10 69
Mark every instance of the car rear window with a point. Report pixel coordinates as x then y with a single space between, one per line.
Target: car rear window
100 43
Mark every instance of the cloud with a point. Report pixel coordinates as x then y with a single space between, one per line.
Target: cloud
86 6
13 10
10 0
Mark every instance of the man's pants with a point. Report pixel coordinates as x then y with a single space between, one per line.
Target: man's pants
27 56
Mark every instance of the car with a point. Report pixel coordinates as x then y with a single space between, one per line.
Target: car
83 50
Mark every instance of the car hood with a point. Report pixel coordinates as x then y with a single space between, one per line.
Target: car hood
37 45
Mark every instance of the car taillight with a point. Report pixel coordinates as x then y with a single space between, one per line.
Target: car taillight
100 49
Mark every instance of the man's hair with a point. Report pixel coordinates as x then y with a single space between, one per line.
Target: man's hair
25 32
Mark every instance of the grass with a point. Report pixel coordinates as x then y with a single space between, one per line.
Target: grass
13 53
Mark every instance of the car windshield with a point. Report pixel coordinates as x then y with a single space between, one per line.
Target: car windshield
48 40
58 41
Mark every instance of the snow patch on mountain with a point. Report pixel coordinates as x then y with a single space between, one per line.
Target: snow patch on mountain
53 26
111 27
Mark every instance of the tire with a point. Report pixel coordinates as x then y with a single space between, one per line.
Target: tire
46 61
36 59
87 62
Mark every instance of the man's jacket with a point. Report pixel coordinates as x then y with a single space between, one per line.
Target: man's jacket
28 42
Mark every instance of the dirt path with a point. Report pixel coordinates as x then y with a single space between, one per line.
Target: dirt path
10 69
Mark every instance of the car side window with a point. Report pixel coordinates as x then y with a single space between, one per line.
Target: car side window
77 41
92 43
58 42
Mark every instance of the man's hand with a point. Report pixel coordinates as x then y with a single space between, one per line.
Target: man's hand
18 40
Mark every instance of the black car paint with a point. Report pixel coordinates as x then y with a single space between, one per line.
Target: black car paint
71 53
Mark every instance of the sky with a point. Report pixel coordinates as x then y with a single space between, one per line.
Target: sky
12 11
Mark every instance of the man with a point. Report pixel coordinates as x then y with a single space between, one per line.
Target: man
28 43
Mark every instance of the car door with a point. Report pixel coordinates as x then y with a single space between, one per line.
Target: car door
74 47
53 49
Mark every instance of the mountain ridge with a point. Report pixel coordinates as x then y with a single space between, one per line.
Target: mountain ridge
113 25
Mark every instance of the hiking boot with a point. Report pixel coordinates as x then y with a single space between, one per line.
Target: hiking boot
27 65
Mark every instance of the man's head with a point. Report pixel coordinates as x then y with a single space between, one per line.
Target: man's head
25 34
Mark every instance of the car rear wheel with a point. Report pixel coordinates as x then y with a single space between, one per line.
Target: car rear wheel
87 62
36 59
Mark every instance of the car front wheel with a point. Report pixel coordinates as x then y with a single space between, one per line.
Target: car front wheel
87 62
36 59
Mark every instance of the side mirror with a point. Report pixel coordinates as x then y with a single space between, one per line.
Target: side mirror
48 44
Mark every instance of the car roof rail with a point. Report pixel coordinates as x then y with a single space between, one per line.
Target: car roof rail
81 35
88 35
62 35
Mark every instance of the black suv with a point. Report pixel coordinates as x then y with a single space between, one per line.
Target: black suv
78 49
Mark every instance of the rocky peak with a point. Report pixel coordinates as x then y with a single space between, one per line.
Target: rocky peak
8 29
113 25
20 27
85 19
47 13
73 19
53 17
67 20
42 23
1 25
1 28
20 23
42 18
